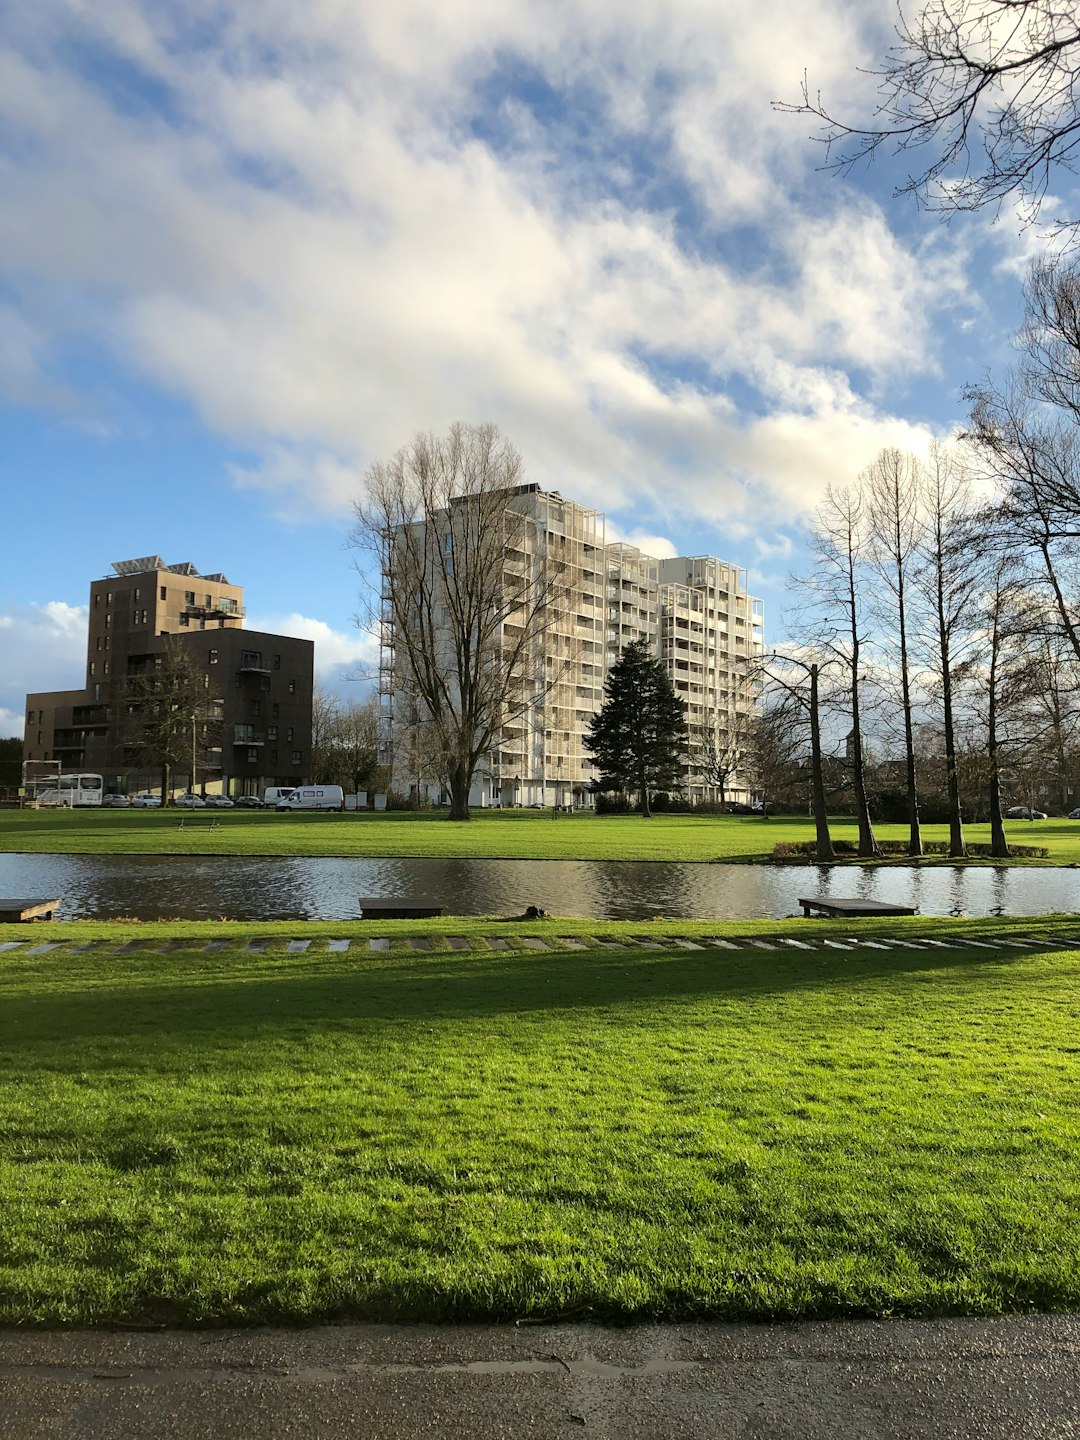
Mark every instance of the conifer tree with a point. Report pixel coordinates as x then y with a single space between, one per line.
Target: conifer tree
639 736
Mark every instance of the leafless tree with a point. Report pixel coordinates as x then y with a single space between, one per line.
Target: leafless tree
797 679
834 620
986 88
950 553
172 717
468 590
325 708
892 487
719 749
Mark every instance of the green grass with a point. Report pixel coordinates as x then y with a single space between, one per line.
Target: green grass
200 1137
492 834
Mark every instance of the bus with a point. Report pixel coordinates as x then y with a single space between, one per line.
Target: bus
72 790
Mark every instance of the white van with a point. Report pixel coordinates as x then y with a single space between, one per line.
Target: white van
274 794
314 797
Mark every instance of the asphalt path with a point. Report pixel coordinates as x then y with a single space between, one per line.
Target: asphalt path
1017 1378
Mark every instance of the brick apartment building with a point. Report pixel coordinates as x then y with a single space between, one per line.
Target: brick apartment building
261 683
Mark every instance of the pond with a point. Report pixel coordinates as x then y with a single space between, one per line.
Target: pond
154 887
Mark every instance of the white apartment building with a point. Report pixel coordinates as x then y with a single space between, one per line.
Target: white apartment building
694 610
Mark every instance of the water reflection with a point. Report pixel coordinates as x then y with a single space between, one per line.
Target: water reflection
254 888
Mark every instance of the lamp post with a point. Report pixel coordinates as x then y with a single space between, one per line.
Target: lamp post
193 754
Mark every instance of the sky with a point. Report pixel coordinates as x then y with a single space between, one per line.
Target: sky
250 247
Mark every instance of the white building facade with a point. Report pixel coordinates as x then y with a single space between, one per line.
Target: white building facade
695 612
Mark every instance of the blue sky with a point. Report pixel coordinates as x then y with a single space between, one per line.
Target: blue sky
248 248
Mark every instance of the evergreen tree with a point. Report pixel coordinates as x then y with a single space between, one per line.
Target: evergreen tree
638 738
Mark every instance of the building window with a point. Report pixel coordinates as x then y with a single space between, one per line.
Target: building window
97 601
296 757
138 592
144 617
39 737
264 682
289 733
292 687
108 619
93 667
97 643
105 668
276 709
273 755
108 598
253 756
189 597
163 592
106 642
277 662
271 732
213 657
254 707
209 601
184 620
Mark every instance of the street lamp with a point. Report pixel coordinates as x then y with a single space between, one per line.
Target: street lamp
193 754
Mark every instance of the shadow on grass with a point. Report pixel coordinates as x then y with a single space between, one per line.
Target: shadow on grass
326 992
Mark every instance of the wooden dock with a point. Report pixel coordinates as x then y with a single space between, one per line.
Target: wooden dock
374 907
834 909
14 911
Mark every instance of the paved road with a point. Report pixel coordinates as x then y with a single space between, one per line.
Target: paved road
1016 1378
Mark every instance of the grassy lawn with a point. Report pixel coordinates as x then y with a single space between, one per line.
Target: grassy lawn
493 834
196 1136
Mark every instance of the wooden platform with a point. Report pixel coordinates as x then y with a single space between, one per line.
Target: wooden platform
833 909
381 908
13 911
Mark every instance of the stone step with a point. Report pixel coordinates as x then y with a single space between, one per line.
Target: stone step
572 942
496 942
419 942
337 946
297 947
256 947
686 944
379 943
837 945
532 942
213 946
44 949
11 944
798 944
458 942
718 944
765 944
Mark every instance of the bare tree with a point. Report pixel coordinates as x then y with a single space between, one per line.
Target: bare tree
949 576
987 87
325 710
835 621
172 718
719 749
892 486
468 590
798 679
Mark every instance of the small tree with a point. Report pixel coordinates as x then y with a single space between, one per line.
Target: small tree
638 738
172 715
721 749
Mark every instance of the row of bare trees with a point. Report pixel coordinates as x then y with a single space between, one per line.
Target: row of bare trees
945 588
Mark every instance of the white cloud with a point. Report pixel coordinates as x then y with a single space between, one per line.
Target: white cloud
42 647
340 655
323 253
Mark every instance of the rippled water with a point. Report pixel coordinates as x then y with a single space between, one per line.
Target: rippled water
255 888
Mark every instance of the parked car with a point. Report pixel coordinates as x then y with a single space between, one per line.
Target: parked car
1021 812
738 807
191 802
251 802
145 801
219 802
1074 814
115 802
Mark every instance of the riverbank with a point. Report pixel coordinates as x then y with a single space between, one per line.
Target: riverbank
193 1131
492 834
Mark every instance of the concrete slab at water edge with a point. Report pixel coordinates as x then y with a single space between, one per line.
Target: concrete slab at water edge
919 1380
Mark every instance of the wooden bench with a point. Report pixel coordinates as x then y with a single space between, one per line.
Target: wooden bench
14 911
833 909
379 908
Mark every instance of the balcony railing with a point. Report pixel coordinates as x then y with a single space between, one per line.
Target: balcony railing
247 737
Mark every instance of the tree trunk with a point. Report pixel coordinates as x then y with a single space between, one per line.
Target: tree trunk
999 845
165 777
823 849
460 781
911 778
868 846
643 787
957 847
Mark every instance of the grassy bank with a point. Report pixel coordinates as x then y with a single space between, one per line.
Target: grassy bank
200 1136
493 834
